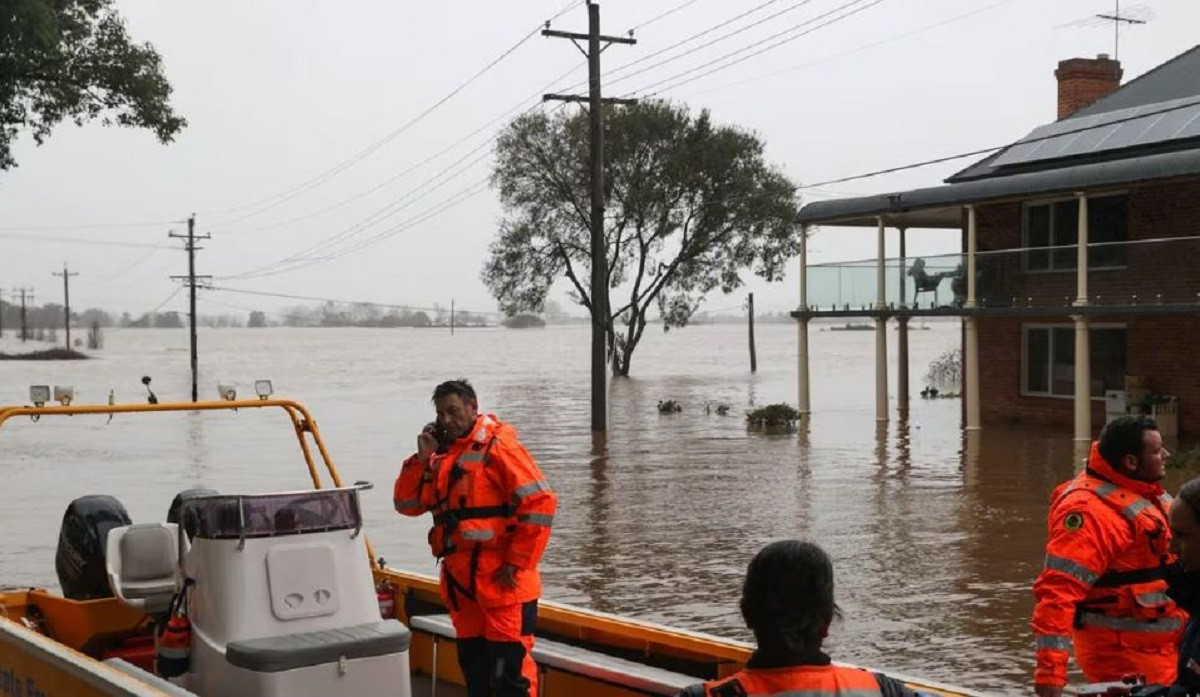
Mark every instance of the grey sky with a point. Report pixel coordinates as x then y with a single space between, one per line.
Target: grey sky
278 92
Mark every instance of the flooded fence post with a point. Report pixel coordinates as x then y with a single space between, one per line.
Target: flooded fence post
753 356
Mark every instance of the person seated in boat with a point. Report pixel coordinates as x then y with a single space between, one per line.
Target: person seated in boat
492 511
787 601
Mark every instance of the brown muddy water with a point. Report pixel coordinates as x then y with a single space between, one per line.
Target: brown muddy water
935 540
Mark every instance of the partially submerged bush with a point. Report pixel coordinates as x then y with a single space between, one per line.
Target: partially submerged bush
773 418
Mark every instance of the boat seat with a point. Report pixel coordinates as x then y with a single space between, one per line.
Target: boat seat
142 561
577 661
291 651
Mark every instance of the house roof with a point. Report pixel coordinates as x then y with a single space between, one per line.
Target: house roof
1147 129
941 206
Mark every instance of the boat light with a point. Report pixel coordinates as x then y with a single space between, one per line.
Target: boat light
263 388
39 395
227 392
64 395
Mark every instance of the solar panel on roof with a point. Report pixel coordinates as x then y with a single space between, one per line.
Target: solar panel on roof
1143 125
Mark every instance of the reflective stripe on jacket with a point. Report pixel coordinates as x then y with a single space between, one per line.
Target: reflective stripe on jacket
491 506
797 681
1106 546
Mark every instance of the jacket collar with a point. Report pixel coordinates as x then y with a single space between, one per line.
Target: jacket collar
1099 467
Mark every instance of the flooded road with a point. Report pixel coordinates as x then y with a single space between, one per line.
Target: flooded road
935 541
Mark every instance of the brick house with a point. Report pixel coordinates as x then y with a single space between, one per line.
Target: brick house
1079 274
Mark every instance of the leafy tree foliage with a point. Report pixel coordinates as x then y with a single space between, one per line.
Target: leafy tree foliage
690 206
72 59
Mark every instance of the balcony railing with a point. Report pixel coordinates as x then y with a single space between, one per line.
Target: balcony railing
1161 271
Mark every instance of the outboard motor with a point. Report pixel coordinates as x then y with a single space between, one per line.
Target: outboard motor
175 512
80 561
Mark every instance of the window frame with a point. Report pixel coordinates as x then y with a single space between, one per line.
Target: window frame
1050 326
1053 247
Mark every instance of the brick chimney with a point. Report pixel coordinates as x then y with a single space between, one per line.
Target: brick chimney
1082 81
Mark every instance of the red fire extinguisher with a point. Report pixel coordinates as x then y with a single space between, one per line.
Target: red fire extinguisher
387 600
173 653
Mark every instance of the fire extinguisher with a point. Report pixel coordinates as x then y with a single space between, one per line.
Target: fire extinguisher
387 600
173 653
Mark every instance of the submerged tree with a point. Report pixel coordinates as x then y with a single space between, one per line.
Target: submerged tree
72 59
691 205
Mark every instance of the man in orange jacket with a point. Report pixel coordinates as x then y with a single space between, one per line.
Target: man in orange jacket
1102 589
492 512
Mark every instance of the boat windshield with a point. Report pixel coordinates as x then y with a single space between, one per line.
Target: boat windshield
268 515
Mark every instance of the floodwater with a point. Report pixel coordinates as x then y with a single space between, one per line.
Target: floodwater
935 540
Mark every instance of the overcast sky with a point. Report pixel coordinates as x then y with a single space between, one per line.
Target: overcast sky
280 92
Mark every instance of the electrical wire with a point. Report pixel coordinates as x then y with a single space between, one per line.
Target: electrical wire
278 199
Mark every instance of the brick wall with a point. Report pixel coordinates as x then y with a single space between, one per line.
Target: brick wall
1158 348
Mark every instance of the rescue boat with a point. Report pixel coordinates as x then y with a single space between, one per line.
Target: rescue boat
281 593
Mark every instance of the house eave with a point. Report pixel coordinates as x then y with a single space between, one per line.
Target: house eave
941 206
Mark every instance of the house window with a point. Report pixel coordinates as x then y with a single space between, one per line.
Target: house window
1054 226
1048 359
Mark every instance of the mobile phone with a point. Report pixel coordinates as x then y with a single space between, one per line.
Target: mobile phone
442 437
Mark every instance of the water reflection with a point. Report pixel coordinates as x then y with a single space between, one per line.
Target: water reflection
935 536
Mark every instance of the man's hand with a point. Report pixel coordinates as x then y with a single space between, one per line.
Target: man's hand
506 576
1048 690
427 442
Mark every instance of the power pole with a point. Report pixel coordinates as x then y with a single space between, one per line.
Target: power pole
1 314
451 316
753 355
191 280
25 293
66 277
599 257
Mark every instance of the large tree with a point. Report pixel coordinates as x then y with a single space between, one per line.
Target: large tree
72 59
690 206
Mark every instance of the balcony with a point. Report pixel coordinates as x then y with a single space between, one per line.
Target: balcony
1152 276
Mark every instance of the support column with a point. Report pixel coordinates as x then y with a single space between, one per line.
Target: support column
902 391
974 421
1083 356
804 405
881 391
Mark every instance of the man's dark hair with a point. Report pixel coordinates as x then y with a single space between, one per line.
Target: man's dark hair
787 598
1124 435
459 387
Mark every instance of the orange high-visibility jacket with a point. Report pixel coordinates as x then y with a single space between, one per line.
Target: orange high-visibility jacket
1101 590
793 680
491 506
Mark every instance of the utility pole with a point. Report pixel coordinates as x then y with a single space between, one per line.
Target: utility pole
753 355
66 277
191 280
1 314
25 293
451 317
598 248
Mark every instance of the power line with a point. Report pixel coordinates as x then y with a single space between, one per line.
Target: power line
80 240
643 90
661 15
707 44
90 226
328 174
984 151
430 213
873 44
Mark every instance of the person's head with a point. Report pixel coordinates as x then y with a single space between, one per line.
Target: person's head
456 407
1133 447
787 598
1185 525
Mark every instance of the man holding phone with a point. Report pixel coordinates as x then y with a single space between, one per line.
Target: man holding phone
492 512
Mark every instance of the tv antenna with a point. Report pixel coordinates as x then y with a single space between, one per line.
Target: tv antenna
1132 15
